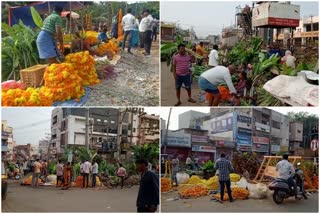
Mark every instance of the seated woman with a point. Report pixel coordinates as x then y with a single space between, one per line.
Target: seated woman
103 37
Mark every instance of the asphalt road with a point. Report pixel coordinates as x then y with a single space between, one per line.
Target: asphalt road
204 204
51 199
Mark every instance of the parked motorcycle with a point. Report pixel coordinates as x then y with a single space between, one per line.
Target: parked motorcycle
282 190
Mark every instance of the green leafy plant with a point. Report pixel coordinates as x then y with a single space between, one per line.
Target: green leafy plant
149 152
19 49
52 167
102 166
111 169
208 167
36 17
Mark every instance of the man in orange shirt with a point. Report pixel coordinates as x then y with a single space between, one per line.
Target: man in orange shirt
201 51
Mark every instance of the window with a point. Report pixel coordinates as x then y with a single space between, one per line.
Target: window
98 120
54 136
112 122
299 131
105 121
275 124
63 139
54 120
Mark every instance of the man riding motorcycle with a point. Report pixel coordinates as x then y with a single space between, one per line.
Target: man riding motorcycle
286 169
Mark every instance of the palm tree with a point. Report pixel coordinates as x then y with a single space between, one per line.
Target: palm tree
149 152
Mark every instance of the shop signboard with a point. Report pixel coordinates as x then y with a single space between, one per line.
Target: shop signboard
244 148
222 143
178 139
260 140
257 147
199 138
244 139
198 148
276 15
262 127
243 119
220 124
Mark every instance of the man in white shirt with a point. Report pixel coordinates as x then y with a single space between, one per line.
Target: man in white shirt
286 169
94 170
147 26
142 30
128 24
86 172
212 78
214 57
189 162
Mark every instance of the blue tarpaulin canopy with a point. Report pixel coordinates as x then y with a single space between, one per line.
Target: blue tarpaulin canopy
23 13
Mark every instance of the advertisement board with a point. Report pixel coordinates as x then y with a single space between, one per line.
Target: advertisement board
276 15
260 147
227 144
260 140
244 139
262 127
275 148
220 124
178 139
199 139
198 148
243 119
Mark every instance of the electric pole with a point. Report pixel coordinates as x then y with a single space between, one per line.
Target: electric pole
87 129
166 137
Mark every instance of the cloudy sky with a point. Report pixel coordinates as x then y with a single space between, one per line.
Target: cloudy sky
210 17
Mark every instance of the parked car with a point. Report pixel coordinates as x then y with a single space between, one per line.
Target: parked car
4 186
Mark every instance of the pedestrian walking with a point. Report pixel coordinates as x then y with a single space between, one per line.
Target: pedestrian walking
148 195
182 63
86 172
36 173
94 170
224 167
67 174
59 173
25 168
121 174
128 23
175 168
142 30
148 23
155 29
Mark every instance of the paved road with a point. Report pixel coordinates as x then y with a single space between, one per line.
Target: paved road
168 91
50 199
204 204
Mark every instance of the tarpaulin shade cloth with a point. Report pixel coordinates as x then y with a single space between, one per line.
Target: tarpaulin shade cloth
23 13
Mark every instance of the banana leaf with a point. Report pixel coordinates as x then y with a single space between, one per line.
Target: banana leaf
36 17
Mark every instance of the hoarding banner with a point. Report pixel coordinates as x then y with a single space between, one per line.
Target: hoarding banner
227 144
178 139
199 138
260 140
244 131
275 148
198 148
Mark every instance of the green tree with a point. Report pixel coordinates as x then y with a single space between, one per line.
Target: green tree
149 152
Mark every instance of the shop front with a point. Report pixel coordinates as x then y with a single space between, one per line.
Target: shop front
261 145
175 143
204 153
226 147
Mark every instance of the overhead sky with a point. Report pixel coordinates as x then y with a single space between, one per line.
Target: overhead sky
174 118
210 17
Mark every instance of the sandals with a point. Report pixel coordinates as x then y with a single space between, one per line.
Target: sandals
178 104
191 100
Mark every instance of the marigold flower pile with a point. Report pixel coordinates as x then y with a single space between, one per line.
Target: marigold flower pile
64 82
110 47
29 97
83 63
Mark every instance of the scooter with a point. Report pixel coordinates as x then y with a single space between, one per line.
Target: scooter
282 190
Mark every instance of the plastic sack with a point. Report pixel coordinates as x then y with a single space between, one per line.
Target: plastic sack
242 183
12 84
293 90
258 191
182 178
